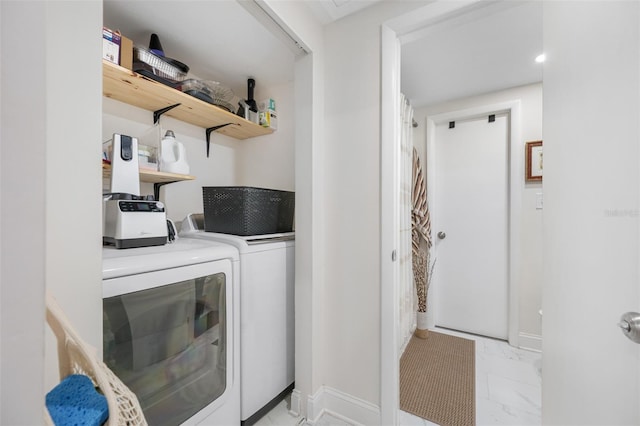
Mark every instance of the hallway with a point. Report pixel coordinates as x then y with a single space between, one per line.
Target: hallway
508 384
508 389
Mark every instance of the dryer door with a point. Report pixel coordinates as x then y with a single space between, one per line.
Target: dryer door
169 342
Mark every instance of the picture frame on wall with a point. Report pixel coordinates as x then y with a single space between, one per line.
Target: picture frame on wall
533 161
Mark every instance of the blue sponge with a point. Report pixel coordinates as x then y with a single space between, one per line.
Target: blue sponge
76 402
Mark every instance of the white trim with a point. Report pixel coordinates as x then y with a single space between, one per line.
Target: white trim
516 188
430 15
296 403
516 171
531 342
458 13
406 341
389 228
269 19
389 77
351 409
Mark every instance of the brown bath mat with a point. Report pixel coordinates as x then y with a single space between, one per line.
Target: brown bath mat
437 379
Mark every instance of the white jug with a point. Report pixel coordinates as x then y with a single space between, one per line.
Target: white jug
173 156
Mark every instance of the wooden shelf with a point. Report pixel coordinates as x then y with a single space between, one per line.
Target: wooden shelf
129 87
151 176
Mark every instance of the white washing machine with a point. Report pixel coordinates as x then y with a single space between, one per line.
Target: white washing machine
171 322
267 276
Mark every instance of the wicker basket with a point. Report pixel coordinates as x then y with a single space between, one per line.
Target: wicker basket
76 357
245 210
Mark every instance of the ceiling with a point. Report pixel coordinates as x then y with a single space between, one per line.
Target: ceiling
327 11
491 48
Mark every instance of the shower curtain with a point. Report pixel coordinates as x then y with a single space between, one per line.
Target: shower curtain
407 299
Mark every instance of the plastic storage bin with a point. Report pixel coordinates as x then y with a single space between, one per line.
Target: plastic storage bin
245 210
155 67
211 92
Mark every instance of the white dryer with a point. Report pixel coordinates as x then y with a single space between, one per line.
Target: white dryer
267 276
171 324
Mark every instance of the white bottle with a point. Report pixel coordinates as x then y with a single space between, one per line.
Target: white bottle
173 156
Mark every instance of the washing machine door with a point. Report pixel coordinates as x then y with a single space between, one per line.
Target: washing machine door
169 338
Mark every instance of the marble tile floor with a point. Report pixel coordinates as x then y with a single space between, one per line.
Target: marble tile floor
508 385
508 389
279 416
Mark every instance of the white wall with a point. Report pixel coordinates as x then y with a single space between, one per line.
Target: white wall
352 205
22 211
268 161
530 223
73 225
50 131
591 110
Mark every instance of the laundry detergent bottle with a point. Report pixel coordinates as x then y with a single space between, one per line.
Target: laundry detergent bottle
173 156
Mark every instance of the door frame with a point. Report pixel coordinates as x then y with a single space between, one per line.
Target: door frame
389 228
515 164
391 31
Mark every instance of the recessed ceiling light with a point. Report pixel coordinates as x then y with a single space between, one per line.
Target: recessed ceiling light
540 58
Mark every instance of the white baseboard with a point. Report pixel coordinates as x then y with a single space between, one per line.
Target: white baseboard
344 406
532 342
406 341
296 403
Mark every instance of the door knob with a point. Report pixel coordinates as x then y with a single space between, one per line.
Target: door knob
630 326
442 235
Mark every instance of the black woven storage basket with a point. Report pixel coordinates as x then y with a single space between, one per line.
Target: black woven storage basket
245 210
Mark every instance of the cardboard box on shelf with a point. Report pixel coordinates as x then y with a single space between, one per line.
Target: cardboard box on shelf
111 45
116 48
126 52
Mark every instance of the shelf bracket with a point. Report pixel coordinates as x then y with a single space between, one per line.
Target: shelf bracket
157 186
158 113
212 129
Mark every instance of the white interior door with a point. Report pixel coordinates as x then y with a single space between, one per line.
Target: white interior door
591 212
471 210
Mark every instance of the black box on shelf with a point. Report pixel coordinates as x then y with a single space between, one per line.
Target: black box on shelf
245 210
